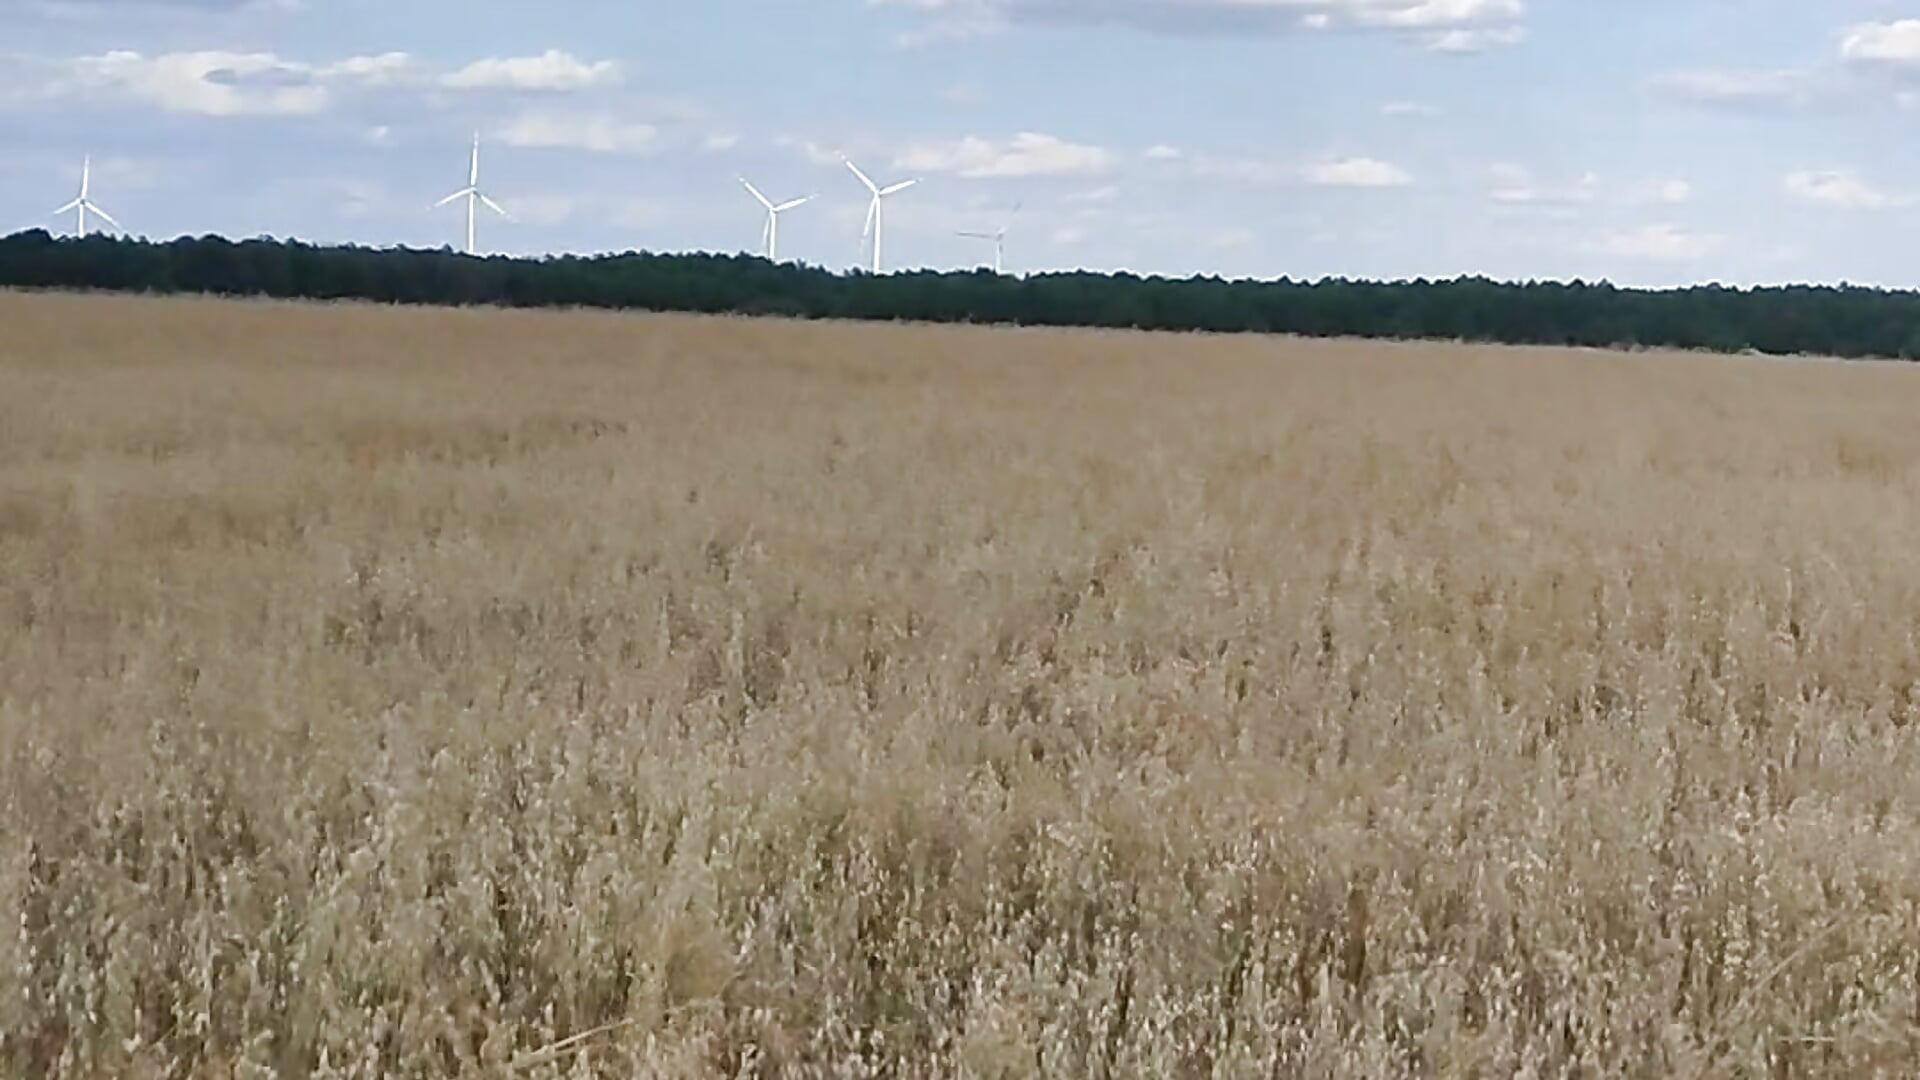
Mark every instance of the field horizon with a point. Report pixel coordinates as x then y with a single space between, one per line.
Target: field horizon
484 692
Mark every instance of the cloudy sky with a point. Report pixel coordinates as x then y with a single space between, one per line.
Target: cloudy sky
1644 141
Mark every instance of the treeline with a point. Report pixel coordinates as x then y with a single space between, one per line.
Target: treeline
1816 320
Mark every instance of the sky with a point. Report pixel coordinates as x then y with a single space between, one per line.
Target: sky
1646 142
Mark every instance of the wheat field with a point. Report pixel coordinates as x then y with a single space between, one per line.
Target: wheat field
455 693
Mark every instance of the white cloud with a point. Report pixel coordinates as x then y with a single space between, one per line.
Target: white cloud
1838 188
1356 172
1026 154
1104 194
210 83
1265 172
381 70
215 82
1473 41
1509 183
718 141
1725 87
1663 243
1517 185
1896 42
1408 108
1446 25
552 70
815 153
1669 190
598 133
1241 170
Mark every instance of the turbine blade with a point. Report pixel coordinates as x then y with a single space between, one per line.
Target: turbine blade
791 203
861 175
901 186
74 205
873 208
462 193
107 216
755 192
495 207
976 235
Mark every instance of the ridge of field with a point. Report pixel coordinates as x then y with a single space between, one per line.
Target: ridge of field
444 693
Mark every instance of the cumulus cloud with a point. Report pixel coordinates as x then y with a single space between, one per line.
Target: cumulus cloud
599 133
1733 87
99 9
1668 190
552 70
1360 172
219 83
1473 41
1896 43
1026 154
1662 243
1517 184
1841 188
386 68
1445 25
816 153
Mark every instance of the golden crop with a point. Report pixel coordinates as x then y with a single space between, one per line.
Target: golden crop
424 693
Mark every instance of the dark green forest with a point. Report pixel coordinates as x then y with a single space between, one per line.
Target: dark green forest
1844 321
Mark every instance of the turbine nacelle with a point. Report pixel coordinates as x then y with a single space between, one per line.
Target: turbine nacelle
472 193
999 238
874 224
770 234
83 204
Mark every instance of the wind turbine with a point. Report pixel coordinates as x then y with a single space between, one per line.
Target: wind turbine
473 194
83 203
999 238
873 209
771 235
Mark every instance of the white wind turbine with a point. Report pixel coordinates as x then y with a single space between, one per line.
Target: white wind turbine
770 237
873 209
999 239
473 194
84 203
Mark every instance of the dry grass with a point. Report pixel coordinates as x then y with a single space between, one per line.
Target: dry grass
436 693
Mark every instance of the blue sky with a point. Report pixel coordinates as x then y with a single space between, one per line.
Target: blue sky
1648 142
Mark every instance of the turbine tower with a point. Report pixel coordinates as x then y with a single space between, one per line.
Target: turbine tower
770 237
473 194
999 239
873 208
84 203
